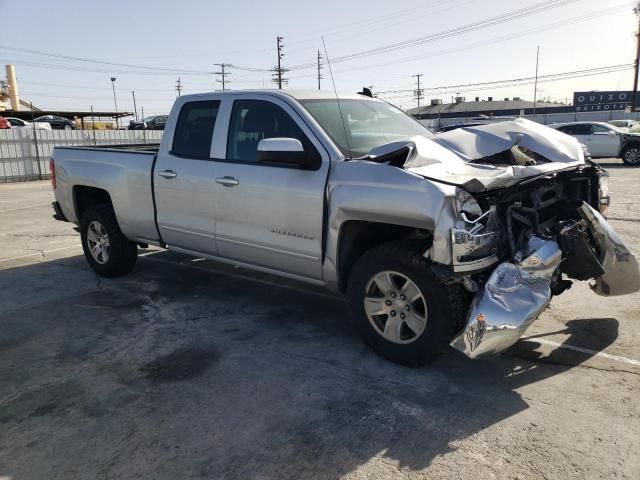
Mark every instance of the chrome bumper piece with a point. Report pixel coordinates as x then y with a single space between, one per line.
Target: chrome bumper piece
621 273
517 293
513 297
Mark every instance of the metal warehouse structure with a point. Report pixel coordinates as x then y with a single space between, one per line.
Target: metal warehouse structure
28 115
466 111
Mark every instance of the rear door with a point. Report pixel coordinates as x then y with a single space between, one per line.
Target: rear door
269 216
184 178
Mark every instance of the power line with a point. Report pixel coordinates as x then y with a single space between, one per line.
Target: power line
503 38
386 22
512 82
492 21
101 62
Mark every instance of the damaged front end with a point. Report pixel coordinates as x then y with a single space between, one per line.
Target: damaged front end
544 233
527 217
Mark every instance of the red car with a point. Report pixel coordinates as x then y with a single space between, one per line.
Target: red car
4 123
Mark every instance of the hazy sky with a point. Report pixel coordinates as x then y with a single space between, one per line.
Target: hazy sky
189 36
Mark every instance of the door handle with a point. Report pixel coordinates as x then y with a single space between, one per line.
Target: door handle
228 181
168 174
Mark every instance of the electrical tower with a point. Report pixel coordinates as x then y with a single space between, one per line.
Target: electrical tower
418 93
223 74
178 86
320 67
279 70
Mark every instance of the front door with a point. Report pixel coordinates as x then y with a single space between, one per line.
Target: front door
269 216
605 142
184 180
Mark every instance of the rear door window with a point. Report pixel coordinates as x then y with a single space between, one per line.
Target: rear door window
194 129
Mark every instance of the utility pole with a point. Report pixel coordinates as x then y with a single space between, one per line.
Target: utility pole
278 70
319 68
113 85
636 11
223 74
178 86
135 109
418 93
535 85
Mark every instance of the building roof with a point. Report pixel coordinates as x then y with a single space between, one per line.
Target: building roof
494 106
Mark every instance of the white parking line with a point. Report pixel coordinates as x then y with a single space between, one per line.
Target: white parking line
616 358
42 253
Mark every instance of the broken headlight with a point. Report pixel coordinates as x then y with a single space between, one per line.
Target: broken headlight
474 240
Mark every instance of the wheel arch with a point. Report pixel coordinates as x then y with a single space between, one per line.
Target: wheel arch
85 197
359 236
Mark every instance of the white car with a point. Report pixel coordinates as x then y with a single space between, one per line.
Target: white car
19 123
604 140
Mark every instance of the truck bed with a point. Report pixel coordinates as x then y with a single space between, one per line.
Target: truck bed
125 172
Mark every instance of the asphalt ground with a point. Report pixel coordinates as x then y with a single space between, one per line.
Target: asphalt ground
190 369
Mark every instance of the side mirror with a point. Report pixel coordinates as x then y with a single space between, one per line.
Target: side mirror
612 133
284 151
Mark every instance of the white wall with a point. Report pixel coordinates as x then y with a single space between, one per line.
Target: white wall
20 150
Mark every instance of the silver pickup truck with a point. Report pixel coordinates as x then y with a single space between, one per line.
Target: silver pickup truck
460 238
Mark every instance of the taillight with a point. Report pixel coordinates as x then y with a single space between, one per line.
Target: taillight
52 172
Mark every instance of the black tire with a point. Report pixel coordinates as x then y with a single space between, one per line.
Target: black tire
122 253
631 154
446 304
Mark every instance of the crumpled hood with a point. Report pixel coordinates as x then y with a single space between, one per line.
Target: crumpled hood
447 156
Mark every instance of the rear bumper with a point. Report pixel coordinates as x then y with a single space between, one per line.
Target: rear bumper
57 212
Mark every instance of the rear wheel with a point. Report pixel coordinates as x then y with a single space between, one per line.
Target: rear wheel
399 307
107 250
68 127
631 154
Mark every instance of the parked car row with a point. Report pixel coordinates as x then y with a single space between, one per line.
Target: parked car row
13 122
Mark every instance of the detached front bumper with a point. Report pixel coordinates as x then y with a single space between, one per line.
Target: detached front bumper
517 292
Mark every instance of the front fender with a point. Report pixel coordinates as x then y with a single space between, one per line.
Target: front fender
366 191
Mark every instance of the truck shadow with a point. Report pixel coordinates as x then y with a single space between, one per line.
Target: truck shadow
231 378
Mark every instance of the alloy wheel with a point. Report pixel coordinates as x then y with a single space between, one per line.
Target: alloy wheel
98 242
395 307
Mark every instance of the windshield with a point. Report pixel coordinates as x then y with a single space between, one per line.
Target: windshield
368 124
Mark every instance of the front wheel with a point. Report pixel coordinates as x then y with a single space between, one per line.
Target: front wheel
107 250
631 154
399 307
